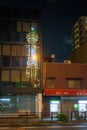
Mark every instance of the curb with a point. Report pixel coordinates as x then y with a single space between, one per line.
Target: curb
42 124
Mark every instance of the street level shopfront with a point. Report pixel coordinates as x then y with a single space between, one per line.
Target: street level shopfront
64 100
31 103
64 87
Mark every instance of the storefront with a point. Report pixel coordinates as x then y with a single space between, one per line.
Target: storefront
57 101
21 103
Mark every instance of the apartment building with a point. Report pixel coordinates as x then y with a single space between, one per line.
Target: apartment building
79 41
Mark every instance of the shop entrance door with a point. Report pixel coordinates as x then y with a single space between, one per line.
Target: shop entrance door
54 107
82 106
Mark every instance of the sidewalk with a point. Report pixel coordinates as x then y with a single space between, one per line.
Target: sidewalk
44 122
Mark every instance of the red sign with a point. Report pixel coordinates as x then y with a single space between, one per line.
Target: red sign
65 92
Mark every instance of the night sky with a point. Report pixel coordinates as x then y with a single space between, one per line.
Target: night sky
58 17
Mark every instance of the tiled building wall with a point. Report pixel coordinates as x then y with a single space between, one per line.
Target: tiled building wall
60 72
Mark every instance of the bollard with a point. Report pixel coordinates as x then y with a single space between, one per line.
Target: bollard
85 115
26 117
71 115
51 116
41 116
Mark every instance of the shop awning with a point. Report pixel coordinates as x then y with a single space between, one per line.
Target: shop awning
65 92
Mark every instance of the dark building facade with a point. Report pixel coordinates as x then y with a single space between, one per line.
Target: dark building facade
64 87
20 43
79 41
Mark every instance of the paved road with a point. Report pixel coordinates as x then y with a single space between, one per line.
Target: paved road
73 127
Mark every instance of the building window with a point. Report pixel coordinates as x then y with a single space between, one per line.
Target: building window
74 83
24 77
15 36
23 36
15 61
6 50
15 76
50 82
19 26
24 51
5 75
16 50
24 60
26 26
6 61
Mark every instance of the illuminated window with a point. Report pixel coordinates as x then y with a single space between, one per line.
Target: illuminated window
5 50
26 26
50 81
24 78
16 50
74 83
5 76
15 75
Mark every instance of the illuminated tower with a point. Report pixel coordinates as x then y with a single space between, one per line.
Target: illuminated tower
33 67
